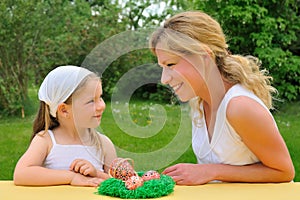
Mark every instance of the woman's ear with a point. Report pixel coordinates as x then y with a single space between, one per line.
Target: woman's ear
64 110
209 51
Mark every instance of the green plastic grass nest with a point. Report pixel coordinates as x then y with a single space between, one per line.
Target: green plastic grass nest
150 189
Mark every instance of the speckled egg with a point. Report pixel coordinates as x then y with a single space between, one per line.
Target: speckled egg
149 175
134 182
121 169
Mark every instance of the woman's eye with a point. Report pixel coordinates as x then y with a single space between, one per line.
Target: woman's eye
170 64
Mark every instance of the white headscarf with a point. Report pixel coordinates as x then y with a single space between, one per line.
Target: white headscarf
59 84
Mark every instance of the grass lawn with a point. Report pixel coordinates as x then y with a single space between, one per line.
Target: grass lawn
288 121
152 136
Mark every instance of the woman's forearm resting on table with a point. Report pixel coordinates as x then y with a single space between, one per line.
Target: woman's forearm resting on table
196 174
258 173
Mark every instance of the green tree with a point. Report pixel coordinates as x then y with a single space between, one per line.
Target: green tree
38 36
134 16
16 46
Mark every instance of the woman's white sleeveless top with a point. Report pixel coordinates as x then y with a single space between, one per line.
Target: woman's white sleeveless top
62 156
226 146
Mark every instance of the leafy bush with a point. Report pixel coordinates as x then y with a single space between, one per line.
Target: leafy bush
65 32
268 30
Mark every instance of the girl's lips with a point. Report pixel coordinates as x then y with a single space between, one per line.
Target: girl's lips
98 116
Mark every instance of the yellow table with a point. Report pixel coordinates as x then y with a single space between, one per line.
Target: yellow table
218 191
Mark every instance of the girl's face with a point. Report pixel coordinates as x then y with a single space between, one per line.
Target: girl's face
88 105
182 74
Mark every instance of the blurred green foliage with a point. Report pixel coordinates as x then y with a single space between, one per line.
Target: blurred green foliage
37 36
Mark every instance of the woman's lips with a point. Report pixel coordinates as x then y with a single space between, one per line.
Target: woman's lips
177 87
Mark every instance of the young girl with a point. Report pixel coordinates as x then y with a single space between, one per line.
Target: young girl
65 147
234 135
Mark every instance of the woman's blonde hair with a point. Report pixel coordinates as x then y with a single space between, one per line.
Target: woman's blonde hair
44 121
193 32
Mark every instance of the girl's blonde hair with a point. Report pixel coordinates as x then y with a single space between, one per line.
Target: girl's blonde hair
193 32
44 121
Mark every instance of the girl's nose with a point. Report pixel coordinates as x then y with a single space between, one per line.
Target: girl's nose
100 105
165 76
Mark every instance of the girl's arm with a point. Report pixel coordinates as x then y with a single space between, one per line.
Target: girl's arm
109 153
29 170
258 131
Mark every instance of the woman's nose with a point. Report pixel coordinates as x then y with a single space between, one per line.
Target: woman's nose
165 76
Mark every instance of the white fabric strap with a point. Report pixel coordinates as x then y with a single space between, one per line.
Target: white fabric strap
51 134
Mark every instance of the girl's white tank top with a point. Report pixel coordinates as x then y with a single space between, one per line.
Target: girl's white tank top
62 156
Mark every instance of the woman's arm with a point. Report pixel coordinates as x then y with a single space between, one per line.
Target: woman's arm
29 170
259 132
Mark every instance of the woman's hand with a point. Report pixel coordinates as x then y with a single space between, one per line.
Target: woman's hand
189 174
83 167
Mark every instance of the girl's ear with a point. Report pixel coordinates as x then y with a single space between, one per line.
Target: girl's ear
64 110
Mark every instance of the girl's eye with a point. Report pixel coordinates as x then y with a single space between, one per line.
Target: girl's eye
96 100
91 101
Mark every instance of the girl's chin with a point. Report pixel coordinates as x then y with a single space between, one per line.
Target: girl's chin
95 125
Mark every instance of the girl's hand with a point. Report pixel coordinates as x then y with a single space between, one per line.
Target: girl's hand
102 175
189 174
81 180
83 167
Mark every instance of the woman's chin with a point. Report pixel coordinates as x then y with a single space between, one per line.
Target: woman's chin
183 99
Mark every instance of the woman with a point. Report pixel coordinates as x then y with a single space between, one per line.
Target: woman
235 137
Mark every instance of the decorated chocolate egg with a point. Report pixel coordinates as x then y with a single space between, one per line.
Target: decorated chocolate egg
134 182
121 169
149 175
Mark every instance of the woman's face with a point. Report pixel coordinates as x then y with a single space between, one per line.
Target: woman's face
182 74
